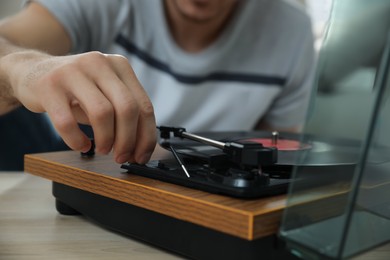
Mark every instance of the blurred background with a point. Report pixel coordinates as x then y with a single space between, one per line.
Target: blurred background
345 83
8 7
343 89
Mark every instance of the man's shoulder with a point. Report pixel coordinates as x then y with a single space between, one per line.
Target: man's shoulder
291 10
277 9
275 18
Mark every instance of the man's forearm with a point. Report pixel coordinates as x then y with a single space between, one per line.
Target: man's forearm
8 101
17 66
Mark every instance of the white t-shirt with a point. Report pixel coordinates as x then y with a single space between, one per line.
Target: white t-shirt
261 66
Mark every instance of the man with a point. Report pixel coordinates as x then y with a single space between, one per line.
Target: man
201 64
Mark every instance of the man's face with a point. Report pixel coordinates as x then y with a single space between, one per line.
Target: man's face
202 10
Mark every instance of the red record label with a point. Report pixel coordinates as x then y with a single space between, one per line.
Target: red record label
281 144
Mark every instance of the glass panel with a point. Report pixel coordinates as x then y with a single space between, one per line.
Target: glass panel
339 204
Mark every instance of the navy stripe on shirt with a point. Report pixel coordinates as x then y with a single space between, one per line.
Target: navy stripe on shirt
214 76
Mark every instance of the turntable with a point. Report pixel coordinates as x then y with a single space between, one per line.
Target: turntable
221 186
243 164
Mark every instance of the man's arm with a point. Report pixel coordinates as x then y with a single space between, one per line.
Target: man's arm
7 100
20 30
34 27
92 88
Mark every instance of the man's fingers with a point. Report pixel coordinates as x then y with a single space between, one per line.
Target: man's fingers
58 109
146 138
124 107
145 133
134 116
99 110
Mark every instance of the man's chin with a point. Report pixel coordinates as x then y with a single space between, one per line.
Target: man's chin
196 11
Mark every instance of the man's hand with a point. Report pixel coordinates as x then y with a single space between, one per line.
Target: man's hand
92 88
